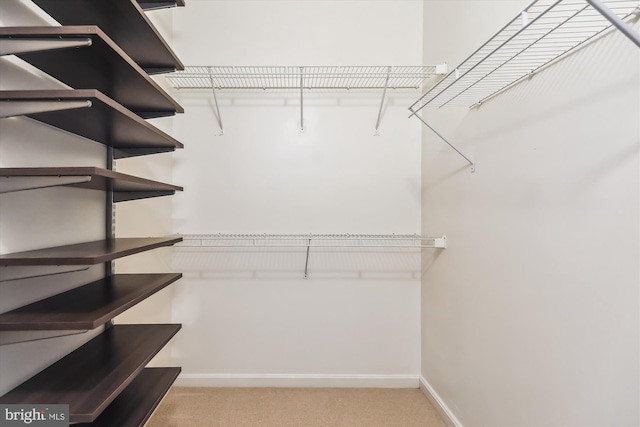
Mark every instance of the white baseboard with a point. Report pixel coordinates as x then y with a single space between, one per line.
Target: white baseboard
439 404
292 380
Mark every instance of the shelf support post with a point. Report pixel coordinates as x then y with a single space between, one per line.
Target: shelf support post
625 28
301 102
215 101
473 166
18 46
384 94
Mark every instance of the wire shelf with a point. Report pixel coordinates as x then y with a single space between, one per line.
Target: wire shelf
311 240
313 77
545 31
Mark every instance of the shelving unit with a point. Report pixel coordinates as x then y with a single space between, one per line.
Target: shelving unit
105 60
95 62
313 77
125 23
308 241
92 376
90 114
124 187
545 31
311 240
301 78
88 306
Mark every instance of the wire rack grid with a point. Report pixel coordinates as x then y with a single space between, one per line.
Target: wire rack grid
545 31
295 77
311 240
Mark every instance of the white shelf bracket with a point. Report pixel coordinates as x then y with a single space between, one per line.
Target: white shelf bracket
215 101
10 184
22 108
18 46
625 28
384 94
473 166
301 99
19 273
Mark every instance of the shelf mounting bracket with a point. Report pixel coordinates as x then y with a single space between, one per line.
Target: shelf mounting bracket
384 94
10 184
10 273
473 166
215 101
15 337
625 28
306 262
301 99
18 46
23 108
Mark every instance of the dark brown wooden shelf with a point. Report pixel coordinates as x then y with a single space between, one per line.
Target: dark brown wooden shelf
105 122
88 306
159 4
89 253
102 66
124 22
135 405
124 187
91 377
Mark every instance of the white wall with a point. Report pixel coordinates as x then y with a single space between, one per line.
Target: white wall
531 316
249 317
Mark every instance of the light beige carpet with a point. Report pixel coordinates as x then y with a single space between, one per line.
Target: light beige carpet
299 407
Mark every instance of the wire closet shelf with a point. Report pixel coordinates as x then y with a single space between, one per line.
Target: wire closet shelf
543 32
312 77
311 240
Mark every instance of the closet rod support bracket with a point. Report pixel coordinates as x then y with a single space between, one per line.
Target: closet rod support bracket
473 166
215 101
384 94
306 262
301 99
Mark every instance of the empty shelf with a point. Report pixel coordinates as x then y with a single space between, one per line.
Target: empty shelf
99 118
135 405
89 253
91 377
88 306
124 187
99 64
124 22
